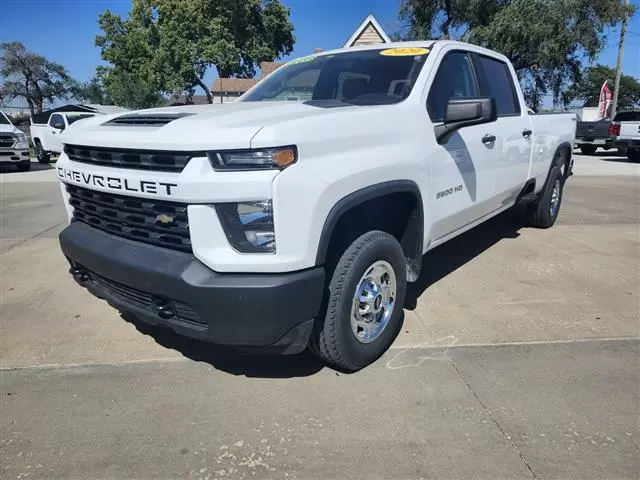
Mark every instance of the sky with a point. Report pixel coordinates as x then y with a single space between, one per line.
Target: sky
64 31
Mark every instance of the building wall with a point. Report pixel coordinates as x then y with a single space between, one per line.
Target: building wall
369 36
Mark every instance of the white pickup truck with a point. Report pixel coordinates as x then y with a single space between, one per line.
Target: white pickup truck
47 137
296 216
625 128
14 146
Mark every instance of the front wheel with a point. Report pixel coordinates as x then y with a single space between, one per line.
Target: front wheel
41 155
365 299
588 149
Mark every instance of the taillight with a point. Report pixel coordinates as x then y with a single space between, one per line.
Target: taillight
614 129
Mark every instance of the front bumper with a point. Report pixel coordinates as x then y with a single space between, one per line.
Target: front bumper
174 289
13 156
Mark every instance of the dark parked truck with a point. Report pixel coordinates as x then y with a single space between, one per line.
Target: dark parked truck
296 216
591 135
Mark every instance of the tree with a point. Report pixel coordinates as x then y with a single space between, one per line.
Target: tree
546 40
170 44
94 91
110 86
588 90
32 77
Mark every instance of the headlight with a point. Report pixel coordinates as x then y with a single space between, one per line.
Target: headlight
262 159
248 226
21 140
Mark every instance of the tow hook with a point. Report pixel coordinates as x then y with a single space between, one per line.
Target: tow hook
79 273
164 308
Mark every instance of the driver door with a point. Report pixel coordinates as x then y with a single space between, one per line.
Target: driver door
56 127
463 168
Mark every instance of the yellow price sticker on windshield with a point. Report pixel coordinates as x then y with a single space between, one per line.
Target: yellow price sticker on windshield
404 52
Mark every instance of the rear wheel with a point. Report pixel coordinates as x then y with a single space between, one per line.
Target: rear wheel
545 210
364 308
633 154
24 166
41 155
588 149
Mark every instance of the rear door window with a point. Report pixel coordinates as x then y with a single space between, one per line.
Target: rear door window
496 82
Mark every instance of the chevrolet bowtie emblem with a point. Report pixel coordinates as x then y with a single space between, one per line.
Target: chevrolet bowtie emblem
162 218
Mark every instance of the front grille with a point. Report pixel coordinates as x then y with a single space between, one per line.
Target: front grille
144 300
157 222
7 141
156 160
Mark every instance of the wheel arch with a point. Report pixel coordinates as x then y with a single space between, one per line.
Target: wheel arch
412 236
563 157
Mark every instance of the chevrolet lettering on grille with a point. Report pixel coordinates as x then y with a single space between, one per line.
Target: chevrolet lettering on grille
116 183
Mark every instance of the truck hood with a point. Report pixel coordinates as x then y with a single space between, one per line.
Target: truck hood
190 128
9 129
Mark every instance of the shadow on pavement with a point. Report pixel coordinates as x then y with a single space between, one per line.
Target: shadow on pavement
35 167
230 360
617 159
447 258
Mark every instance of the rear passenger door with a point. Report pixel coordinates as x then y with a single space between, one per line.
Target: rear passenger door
513 130
462 169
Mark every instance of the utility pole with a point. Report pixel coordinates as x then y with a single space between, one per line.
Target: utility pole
623 34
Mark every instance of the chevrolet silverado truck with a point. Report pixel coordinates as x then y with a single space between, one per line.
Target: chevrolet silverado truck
295 217
14 146
47 138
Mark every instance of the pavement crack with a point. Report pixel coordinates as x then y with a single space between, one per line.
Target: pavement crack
488 412
34 236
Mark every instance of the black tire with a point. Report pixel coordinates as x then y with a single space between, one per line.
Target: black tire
588 149
622 151
633 155
541 214
335 341
41 155
24 166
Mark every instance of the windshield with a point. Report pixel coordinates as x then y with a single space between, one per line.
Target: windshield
74 118
4 120
366 77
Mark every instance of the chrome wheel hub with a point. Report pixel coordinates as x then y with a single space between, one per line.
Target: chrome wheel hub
555 198
373 302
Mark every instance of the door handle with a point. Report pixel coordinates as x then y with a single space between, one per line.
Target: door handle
526 133
487 139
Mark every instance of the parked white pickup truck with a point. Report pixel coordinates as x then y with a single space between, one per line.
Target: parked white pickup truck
47 138
297 216
14 146
626 130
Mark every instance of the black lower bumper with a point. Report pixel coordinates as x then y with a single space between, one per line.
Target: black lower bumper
174 289
628 143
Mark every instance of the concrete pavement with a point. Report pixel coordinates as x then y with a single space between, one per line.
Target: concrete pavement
518 359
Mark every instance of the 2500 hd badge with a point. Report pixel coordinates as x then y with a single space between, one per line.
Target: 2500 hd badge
115 183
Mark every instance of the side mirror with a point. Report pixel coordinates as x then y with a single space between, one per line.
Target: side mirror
465 112
58 126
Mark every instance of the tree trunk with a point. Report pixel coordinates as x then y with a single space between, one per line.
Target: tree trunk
447 22
32 110
206 90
